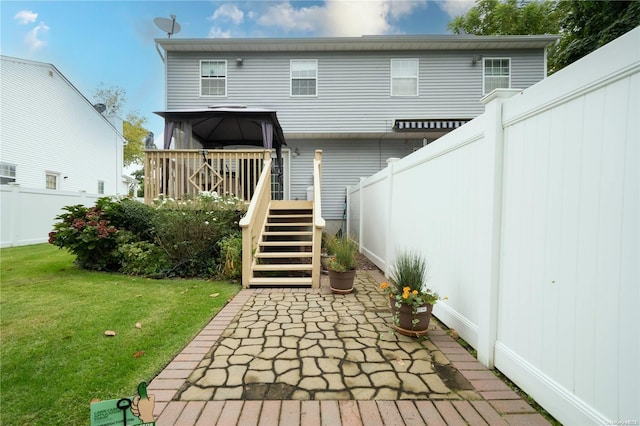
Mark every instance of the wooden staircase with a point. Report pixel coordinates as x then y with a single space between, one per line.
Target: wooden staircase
284 251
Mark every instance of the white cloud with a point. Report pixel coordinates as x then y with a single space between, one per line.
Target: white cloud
33 37
228 12
285 16
26 17
218 33
340 17
455 7
401 8
355 18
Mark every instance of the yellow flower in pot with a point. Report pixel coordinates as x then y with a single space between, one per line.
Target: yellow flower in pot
410 299
342 264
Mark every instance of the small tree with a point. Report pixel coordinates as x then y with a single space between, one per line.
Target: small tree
133 130
135 133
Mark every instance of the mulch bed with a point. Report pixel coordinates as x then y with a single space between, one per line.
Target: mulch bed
364 263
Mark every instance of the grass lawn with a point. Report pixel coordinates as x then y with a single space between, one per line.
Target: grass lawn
55 357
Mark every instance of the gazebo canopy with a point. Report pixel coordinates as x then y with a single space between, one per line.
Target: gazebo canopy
220 126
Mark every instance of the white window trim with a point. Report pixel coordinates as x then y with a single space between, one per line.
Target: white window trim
291 61
391 77
484 91
11 167
54 174
226 78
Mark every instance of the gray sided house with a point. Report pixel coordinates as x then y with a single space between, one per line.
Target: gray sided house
360 100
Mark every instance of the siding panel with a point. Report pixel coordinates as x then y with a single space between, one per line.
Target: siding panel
353 87
344 162
48 126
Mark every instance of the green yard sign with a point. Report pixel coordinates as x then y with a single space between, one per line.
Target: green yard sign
137 410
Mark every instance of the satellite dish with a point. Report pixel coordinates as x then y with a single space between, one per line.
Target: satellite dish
169 26
100 108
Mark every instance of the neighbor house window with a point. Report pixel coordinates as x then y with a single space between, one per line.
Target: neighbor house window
7 173
213 78
404 77
497 74
51 180
100 187
304 77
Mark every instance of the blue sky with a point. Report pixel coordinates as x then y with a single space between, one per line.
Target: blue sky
112 42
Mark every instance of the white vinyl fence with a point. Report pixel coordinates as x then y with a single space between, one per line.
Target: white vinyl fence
529 219
28 214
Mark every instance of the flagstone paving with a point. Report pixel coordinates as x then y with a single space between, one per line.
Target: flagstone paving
317 346
309 354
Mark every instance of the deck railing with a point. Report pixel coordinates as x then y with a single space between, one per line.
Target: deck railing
254 219
318 221
183 173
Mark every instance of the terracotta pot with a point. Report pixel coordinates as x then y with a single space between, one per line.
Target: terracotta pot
405 319
342 282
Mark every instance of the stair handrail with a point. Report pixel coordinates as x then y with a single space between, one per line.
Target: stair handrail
318 221
252 222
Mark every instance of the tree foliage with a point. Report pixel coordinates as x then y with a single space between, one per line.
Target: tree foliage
134 133
588 25
508 17
113 98
583 26
133 129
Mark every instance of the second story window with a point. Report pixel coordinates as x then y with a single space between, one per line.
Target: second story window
7 173
100 187
51 180
497 74
304 77
213 78
404 77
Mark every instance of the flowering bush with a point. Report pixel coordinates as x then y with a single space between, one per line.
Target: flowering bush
189 231
173 238
89 235
407 284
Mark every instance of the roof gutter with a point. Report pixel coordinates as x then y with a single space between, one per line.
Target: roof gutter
366 43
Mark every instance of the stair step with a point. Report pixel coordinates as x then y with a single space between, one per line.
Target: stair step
280 281
283 254
291 205
285 243
289 216
283 267
286 233
290 224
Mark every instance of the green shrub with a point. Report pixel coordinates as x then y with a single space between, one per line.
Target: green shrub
172 238
189 231
89 235
143 258
231 255
131 215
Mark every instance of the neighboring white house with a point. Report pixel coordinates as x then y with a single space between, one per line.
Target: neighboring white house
359 99
54 145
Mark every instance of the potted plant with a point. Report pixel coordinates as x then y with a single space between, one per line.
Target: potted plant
342 264
410 298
